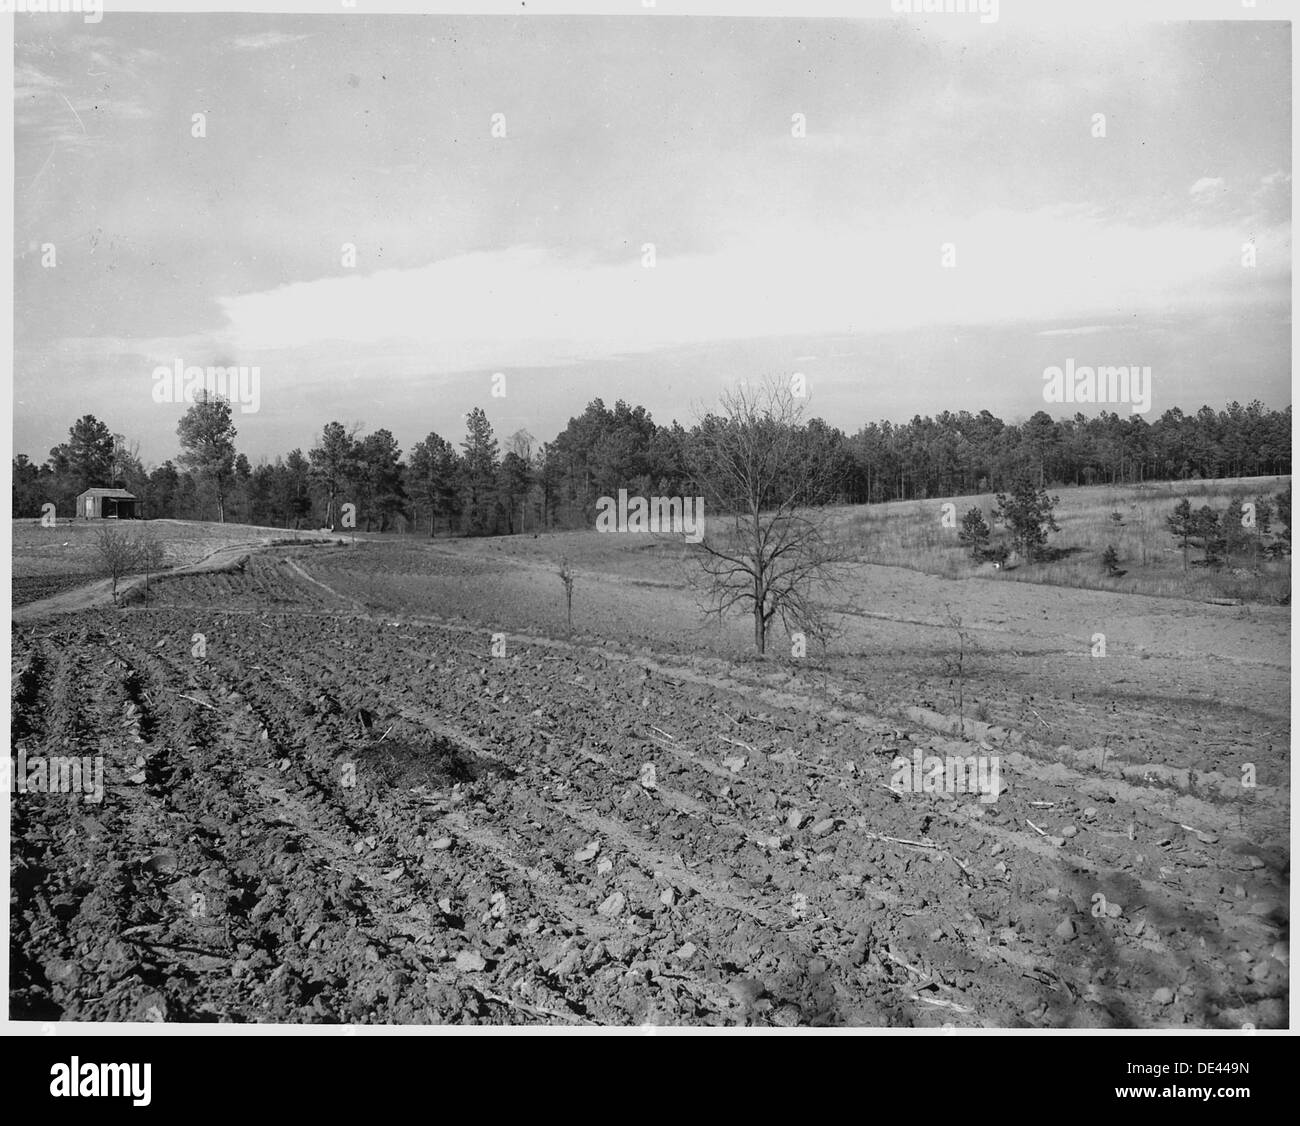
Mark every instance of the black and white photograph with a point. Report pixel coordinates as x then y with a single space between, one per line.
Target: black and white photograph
651 516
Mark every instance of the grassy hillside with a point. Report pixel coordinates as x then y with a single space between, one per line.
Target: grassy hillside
912 534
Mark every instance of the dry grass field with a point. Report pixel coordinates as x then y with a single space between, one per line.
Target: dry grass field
912 534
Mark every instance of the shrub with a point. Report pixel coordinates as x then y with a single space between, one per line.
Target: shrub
1110 561
974 532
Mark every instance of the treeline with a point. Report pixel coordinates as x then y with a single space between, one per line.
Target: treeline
477 487
957 454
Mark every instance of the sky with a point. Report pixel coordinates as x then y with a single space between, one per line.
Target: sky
916 213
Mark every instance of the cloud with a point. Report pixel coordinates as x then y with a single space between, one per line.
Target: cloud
531 306
1207 184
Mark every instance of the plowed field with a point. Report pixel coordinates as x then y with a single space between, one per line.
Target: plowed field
383 784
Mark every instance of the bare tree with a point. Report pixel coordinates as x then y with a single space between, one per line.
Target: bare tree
126 457
955 665
118 554
566 577
521 443
767 547
149 557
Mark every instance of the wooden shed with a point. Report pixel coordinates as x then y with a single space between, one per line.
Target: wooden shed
107 504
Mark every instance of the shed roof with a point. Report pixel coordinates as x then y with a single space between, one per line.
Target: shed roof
118 494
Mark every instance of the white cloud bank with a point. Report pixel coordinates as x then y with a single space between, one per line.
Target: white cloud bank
528 305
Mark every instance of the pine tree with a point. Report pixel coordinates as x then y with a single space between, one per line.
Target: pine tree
1110 561
1206 526
515 479
1181 524
1027 512
433 475
334 465
479 483
381 472
974 532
